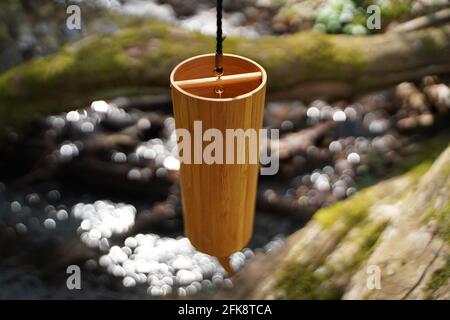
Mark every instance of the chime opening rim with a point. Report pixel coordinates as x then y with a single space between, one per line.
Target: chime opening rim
239 97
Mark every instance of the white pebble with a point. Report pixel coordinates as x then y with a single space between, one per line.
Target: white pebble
49 223
182 292
85 225
21 228
118 271
127 251
313 112
131 242
191 290
73 116
156 291
95 234
119 157
16 206
100 106
62 215
182 263
166 289
228 283
185 277
134 174
129 282
353 158
339 116
335 146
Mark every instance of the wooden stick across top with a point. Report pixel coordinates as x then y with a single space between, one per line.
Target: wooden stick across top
219 81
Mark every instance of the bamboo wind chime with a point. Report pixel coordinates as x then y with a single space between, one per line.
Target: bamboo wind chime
223 91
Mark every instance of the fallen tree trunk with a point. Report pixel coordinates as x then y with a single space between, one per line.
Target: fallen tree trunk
303 65
426 21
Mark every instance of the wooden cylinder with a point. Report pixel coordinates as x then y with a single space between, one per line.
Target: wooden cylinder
219 198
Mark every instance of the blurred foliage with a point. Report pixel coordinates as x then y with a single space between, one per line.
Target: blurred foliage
350 16
337 16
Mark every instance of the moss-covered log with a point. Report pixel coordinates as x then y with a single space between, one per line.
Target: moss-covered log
139 59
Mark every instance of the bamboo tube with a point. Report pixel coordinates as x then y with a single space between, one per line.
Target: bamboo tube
219 81
219 199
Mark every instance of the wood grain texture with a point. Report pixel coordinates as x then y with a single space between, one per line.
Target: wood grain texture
219 199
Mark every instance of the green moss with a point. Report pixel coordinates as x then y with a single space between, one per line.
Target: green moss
296 281
304 56
442 217
394 9
349 211
132 56
299 283
420 162
367 236
433 46
4 35
439 278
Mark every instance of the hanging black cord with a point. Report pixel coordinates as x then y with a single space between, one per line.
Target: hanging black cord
219 40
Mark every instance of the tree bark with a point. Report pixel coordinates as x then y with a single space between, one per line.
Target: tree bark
398 226
138 60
